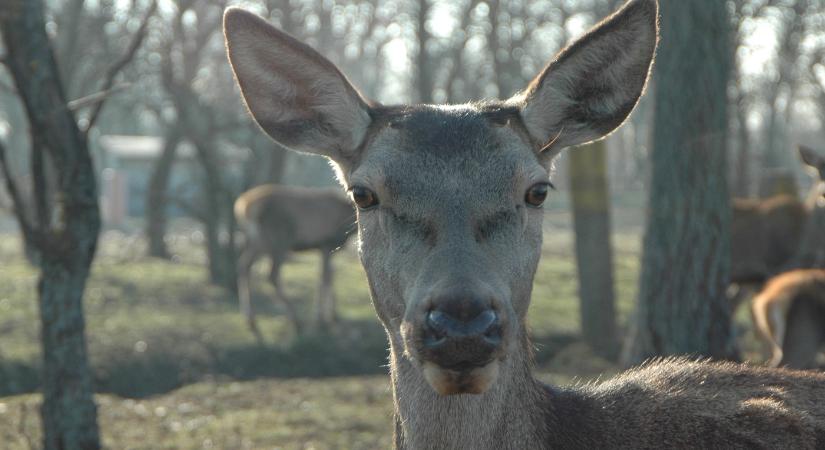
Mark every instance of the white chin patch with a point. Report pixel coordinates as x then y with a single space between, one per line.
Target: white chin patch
451 382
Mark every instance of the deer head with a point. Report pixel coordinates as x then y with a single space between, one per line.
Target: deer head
449 197
816 165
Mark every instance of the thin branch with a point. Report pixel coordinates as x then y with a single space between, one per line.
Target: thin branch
96 98
131 50
16 200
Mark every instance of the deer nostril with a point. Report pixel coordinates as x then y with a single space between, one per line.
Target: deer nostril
482 323
442 325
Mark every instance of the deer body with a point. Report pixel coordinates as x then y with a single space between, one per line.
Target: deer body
789 316
450 230
278 220
766 234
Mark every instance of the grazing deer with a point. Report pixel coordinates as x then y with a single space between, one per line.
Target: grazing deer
789 315
766 233
277 220
450 229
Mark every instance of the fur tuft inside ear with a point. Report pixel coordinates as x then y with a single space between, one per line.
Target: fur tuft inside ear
296 95
591 86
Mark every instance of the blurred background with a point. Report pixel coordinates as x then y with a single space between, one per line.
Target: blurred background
141 103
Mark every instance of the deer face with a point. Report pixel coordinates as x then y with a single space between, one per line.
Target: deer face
451 251
449 197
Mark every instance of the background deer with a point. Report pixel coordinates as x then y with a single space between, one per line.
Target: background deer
278 220
789 316
450 228
778 233
766 233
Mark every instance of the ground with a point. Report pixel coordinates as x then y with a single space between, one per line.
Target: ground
177 369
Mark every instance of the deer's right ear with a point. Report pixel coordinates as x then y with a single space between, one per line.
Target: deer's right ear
296 95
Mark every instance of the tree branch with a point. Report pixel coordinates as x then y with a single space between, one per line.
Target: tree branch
96 98
17 201
131 50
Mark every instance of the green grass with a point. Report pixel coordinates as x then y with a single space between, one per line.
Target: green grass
177 368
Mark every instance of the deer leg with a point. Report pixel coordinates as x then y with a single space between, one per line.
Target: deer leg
245 263
803 335
778 323
280 295
326 298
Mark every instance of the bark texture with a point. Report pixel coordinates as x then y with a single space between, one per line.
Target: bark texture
686 257
594 258
67 245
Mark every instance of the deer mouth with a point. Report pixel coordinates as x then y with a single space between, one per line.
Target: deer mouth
452 381
460 365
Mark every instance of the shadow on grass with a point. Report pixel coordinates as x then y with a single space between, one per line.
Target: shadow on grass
357 347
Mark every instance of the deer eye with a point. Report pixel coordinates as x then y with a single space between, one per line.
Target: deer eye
537 193
363 197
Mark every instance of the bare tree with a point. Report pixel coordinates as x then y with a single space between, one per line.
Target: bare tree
781 88
63 239
424 67
157 192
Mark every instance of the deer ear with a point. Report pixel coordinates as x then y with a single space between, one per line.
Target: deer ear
296 95
591 87
810 157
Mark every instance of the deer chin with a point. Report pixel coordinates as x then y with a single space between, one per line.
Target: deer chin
476 380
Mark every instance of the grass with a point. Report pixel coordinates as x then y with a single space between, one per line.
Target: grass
176 367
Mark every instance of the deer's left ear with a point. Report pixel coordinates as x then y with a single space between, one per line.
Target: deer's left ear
591 87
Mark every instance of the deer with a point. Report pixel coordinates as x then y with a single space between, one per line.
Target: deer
773 235
277 220
449 214
766 234
789 316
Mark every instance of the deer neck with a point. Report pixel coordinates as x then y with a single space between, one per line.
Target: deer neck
512 414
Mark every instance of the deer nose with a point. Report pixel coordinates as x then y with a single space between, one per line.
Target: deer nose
462 319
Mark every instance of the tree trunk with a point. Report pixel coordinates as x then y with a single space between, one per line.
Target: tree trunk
773 157
594 258
424 83
67 247
218 203
686 257
68 411
743 155
156 196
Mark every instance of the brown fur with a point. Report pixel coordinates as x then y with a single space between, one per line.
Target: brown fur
277 220
766 233
803 290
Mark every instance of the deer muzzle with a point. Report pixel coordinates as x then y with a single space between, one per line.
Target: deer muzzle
460 343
